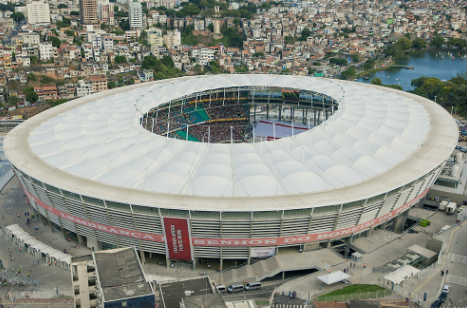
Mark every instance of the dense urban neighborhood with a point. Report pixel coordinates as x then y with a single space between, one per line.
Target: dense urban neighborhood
54 51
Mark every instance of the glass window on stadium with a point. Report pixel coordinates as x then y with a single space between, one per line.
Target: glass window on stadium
93 201
236 215
37 182
326 210
52 188
267 215
353 205
213 215
71 195
145 210
174 213
297 213
376 198
118 206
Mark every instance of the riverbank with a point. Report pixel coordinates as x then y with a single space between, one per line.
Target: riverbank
441 66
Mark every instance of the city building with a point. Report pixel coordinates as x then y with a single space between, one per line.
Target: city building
83 88
110 279
38 13
98 83
191 293
46 92
373 153
135 14
46 51
451 184
84 282
105 12
31 39
88 12
173 39
121 279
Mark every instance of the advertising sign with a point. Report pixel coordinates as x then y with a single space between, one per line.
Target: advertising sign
262 252
177 238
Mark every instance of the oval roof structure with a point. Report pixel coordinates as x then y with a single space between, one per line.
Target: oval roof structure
378 140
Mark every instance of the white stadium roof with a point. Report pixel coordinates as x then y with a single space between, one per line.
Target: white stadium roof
378 140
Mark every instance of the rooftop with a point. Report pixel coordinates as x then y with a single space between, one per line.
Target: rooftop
378 140
172 293
120 274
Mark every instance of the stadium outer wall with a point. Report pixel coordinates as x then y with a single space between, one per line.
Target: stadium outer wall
191 234
215 234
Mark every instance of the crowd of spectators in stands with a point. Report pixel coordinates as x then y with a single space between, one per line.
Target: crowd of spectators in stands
195 117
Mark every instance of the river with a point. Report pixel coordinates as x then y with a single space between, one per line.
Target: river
442 67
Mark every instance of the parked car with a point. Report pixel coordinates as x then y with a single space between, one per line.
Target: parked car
235 288
436 304
253 286
221 288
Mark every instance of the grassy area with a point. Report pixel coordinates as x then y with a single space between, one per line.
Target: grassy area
261 303
351 290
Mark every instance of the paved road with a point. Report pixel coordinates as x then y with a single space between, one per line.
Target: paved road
264 292
12 208
457 267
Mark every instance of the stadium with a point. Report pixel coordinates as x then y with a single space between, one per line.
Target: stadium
231 167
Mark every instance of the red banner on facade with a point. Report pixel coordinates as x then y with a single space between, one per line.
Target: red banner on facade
177 238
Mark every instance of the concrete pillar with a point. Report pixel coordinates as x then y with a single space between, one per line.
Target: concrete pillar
283 275
347 251
193 263
399 222
80 240
142 257
221 267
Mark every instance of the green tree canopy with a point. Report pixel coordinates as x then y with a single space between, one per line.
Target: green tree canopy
31 95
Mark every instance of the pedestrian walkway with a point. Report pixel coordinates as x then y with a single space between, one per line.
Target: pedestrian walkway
283 262
457 258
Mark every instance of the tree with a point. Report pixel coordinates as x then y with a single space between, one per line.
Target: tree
418 44
12 100
289 40
338 61
349 73
111 84
18 17
62 6
55 41
437 42
63 23
305 34
211 27
376 81
124 24
355 58
31 95
120 59
32 77
241 68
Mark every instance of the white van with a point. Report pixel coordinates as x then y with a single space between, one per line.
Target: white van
235 288
451 208
221 288
442 205
253 286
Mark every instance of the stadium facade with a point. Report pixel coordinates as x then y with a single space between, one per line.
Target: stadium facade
122 167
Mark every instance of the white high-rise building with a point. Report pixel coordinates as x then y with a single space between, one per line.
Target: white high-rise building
136 14
105 12
38 13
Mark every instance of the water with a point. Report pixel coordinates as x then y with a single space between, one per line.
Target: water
442 67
